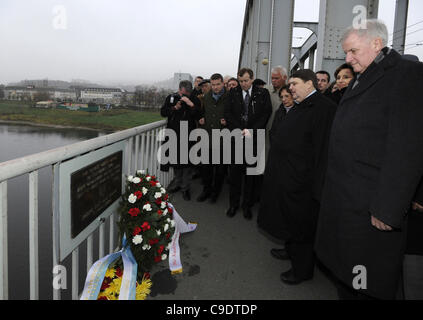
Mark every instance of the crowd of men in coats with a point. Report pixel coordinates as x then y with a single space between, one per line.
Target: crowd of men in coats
343 178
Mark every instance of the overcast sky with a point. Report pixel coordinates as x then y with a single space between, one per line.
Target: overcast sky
138 41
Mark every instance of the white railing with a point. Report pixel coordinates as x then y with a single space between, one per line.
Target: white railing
141 149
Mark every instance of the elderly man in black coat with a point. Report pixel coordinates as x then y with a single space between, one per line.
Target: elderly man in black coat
374 167
294 174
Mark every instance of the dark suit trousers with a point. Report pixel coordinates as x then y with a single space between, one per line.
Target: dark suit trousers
212 177
302 258
238 181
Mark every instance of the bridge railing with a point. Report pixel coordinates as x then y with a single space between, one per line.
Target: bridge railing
141 149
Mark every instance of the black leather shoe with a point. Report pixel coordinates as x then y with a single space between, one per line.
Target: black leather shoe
203 196
248 214
280 254
288 277
213 197
174 189
231 212
186 195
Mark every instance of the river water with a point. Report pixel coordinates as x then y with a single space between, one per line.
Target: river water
18 141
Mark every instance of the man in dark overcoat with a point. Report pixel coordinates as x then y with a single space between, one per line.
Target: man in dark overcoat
248 109
294 173
214 102
182 108
374 167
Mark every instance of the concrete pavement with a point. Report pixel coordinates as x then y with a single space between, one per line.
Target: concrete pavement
228 259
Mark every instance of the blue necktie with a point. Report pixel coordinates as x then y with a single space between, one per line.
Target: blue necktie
246 104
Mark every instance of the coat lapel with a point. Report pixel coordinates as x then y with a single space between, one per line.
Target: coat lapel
372 75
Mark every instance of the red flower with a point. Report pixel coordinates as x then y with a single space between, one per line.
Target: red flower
170 210
134 212
168 236
153 183
159 201
106 283
157 259
145 226
138 194
161 249
119 272
166 197
102 298
153 177
137 231
152 242
159 212
147 275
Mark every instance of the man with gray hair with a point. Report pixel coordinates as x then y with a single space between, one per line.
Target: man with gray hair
279 77
374 167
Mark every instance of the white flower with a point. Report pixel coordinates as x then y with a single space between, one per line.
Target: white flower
147 207
130 178
166 227
168 220
165 212
172 223
137 239
164 257
146 247
148 178
169 246
136 180
132 198
158 185
144 190
158 195
158 232
141 171
164 205
163 190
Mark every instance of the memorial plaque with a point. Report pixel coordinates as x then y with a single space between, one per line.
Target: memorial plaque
93 189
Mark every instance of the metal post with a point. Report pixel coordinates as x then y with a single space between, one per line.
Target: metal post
4 276
283 16
33 236
101 241
264 33
400 25
136 156
55 224
75 274
147 151
90 241
112 233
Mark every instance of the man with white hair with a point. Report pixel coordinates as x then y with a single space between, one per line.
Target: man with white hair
279 76
374 167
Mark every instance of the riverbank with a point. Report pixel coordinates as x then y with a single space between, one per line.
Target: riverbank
107 121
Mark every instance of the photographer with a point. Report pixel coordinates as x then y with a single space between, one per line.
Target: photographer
179 107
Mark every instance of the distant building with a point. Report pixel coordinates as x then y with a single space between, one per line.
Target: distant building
102 95
29 93
178 77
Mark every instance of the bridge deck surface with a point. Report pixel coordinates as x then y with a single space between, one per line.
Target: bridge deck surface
229 259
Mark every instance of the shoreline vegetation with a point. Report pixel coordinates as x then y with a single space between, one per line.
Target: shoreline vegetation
18 112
